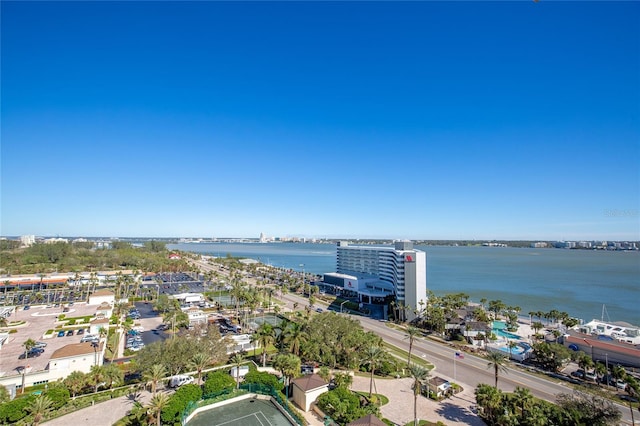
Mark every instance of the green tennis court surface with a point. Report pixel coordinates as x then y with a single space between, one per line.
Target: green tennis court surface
249 412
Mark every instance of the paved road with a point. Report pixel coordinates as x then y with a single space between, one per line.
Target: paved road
470 371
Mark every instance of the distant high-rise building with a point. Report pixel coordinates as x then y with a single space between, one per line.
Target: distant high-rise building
27 240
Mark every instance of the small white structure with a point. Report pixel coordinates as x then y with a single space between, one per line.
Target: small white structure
196 316
102 296
97 324
307 389
188 298
105 310
75 357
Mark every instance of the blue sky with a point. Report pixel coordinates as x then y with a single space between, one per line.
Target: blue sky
423 120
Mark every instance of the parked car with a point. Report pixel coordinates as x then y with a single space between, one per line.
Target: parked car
621 384
89 338
26 308
179 380
590 376
40 345
61 333
319 310
81 331
70 333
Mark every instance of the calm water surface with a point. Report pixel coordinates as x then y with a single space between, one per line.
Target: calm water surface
579 282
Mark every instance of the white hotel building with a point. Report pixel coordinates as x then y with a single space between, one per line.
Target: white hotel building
374 273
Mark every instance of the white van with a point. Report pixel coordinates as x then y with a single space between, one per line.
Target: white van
179 380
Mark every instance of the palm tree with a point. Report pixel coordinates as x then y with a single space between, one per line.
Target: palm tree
156 405
497 362
524 400
237 360
265 336
156 373
289 366
200 361
373 357
412 333
39 408
512 345
96 376
75 382
28 345
294 336
112 374
419 375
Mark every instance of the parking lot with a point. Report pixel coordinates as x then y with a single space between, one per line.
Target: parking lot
38 319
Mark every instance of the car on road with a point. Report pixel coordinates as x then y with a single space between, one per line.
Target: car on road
319 310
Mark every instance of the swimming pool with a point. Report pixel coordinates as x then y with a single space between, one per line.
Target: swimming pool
498 327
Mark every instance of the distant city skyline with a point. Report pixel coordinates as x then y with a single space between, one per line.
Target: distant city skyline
411 120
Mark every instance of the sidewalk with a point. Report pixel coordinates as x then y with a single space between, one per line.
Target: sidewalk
104 413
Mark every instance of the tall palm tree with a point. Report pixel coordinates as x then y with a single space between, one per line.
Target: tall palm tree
419 375
412 333
294 336
156 405
156 373
237 360
265 336
373 357
497 361
511 345
112 374
75 382
39 407
199 362
28 345
289 366
524 400
96 376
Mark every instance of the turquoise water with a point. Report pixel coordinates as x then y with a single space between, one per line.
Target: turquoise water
575 281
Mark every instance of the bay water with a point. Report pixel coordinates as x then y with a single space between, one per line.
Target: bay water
586 284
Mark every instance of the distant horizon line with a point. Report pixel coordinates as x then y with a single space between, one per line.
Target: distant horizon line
298 238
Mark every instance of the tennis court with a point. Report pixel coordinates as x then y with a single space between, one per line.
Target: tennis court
248 412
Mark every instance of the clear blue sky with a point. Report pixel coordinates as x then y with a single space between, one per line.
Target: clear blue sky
434 120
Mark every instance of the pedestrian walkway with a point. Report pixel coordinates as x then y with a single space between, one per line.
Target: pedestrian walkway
103 413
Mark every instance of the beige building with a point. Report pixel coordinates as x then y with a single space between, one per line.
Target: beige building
64 361
307 389
102 296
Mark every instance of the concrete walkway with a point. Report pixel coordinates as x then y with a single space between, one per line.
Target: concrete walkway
104 413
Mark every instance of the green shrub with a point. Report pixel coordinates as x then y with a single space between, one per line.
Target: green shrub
178 403
11 412
218 381
61 317
263 378
59 395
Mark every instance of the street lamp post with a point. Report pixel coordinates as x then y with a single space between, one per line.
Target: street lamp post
342 304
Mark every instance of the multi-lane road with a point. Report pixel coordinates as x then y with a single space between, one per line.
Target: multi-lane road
469 372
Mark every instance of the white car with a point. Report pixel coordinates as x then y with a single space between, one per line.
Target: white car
179 380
